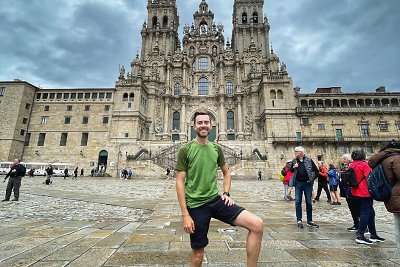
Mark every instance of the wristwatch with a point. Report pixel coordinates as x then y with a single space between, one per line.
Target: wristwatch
226 193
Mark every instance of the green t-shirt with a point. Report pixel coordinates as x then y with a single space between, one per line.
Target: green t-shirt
200 162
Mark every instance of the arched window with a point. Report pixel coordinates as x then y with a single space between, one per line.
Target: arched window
229 88
176 118
203 63
154 24
280 94
255 17
273 94
244 17
131 97
230 120
125 97
203 86
177 89
165 22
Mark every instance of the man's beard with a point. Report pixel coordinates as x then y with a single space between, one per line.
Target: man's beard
200 135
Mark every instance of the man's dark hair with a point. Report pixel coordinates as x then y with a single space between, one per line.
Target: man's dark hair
391 144
331 166
358 154
197 113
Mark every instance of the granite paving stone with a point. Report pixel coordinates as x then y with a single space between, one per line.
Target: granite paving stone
112 222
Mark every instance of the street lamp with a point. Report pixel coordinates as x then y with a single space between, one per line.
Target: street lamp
241 154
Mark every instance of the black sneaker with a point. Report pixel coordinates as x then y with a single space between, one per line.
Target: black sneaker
5 200
352 229
363 240
300 224
15 199
375 238
312 224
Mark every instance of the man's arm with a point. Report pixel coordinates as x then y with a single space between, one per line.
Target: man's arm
226 184
188 223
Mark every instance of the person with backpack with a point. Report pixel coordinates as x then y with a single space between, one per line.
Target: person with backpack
333 179
389 157
367 212
323 182
352 202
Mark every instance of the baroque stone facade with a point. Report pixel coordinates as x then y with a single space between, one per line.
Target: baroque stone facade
257 113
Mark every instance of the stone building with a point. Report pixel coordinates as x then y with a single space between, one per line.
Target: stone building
258 116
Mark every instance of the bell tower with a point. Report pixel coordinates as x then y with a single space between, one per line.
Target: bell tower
249 26
160 32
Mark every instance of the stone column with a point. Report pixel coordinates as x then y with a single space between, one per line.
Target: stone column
240 118
222 124
182 134
166 116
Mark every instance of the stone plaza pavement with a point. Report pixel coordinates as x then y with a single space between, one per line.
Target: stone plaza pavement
113 222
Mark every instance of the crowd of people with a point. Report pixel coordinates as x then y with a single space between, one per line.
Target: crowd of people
301 172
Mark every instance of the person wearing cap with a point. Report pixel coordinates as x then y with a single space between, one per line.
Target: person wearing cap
304 173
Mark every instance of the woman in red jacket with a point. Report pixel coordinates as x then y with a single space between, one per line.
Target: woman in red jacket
367 212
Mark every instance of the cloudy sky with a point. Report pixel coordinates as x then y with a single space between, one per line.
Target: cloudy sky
354 44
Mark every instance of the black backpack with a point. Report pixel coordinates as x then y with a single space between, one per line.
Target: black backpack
348 178
378 185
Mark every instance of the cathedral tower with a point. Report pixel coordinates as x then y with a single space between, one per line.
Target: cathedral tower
160 32
250 26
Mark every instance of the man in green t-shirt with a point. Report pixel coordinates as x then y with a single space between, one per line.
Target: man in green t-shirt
197 191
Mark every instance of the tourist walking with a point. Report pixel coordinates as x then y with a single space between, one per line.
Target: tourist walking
304 173
75 172
198 196
49 174
16 173
66 173
287 189
367 212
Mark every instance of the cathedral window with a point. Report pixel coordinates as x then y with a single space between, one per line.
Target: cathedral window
108 95
38 95
44 119
41 139
154 24
66 96
131 97
125 97
87 107
69 108
177 89
85 120
255 17
165 22
229 88
46 108
272 94
59 96
203 86
84 139
101 95
203 63
244 17
27 139
280 94
105 120
383 126
364 129
176 118
230 120
67 120
63 139
80 96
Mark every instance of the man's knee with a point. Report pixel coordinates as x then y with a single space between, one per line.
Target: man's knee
197 256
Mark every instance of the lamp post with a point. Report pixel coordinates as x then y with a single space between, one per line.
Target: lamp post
241 154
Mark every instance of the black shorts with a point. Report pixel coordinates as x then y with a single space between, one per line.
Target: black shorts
202 216
333 188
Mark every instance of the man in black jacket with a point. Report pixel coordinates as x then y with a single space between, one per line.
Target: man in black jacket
16 173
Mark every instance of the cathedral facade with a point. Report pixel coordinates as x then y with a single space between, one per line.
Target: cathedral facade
257 113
